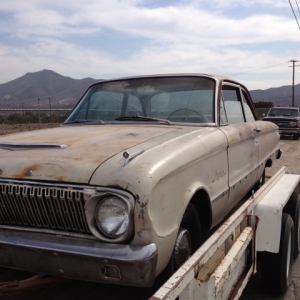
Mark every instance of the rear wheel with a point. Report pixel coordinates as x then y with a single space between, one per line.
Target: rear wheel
276 267
293 209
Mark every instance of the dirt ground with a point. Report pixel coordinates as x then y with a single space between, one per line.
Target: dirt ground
290 157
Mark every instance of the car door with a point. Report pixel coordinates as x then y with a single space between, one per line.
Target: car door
240 128
267 136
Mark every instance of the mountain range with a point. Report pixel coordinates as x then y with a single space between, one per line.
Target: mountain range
49 87
57 91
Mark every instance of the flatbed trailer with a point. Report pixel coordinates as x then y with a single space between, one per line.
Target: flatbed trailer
265 228
263 232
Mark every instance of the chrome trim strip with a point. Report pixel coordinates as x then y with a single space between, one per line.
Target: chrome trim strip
31 146
48 231
89 189
222 194
43 183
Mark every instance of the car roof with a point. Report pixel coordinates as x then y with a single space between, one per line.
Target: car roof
213 76
221 79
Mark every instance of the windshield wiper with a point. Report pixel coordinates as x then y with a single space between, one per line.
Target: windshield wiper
142 118
85 121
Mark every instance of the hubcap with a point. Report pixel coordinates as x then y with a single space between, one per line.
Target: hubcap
183 248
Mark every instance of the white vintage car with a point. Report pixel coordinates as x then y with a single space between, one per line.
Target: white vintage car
133 180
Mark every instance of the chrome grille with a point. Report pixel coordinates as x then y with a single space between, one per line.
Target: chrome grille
283 124
43 207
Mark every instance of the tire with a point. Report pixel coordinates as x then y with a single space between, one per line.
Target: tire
276 268
293 209
189 239
296 136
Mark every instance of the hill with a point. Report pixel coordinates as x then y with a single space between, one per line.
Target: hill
64 92
281 96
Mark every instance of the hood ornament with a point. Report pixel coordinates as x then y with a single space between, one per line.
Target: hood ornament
128 157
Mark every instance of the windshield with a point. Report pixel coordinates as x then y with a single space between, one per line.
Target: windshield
287 112
177 99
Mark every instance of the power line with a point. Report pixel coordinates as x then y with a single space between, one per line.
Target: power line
297 5
294 13
249 71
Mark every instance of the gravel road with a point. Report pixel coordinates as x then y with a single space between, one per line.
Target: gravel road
290 157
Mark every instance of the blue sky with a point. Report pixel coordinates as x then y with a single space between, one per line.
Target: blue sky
249 41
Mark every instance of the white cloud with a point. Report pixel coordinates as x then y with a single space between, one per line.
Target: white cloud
160 24
247 3
183 37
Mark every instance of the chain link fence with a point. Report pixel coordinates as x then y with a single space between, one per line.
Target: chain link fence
22 119
16 120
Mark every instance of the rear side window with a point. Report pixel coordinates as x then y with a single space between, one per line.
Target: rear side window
233 109
235 106
248 113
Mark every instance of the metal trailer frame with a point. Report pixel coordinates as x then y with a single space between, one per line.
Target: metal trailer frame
223 265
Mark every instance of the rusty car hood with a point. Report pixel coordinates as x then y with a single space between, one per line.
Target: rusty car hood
83 149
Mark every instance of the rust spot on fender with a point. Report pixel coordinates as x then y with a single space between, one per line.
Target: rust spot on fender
143 210
137 198
33 168
60 178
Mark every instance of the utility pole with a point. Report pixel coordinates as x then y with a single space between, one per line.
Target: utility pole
50 109
39 113
293 93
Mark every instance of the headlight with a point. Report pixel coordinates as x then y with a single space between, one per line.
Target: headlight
112 216
294 124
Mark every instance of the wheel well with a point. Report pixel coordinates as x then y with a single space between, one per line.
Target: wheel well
202 203
269 163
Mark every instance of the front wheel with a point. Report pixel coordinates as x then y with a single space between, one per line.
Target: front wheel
189 239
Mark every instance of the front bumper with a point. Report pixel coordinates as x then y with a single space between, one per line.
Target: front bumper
76 258
288 131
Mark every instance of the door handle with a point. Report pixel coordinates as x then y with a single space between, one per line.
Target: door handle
257 130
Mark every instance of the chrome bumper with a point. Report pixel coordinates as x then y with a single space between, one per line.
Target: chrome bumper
77 258
288 130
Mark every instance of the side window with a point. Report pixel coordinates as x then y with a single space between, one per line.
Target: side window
248 113
232 104
194 106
